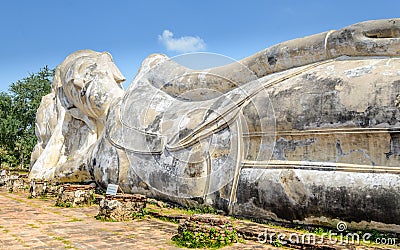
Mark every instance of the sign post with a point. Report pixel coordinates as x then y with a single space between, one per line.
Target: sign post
112 189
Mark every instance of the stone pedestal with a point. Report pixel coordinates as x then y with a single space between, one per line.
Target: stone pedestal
121 207
16 185
12 183
75 195
4 180
43 189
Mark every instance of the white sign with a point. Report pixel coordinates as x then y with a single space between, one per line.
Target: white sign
112 189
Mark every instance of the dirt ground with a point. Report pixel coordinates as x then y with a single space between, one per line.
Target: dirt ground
38 224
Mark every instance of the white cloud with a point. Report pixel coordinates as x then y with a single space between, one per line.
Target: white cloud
182 44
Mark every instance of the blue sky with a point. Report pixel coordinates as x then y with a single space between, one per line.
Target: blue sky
43 32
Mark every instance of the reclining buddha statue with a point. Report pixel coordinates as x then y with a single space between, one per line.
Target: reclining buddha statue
305 131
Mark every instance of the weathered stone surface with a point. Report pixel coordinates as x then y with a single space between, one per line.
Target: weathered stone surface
121 207
4 177
43 189
71 118
12 182
16 185
75 195
305 131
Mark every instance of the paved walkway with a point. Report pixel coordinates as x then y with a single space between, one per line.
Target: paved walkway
38 224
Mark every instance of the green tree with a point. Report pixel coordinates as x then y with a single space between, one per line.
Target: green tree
7 125
18 114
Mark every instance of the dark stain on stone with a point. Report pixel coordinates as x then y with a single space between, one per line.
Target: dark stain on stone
396 90
272 60
199 200
193 170
82 167
272 54
344 36
362 204
340 153
282 145
219 202
324 107
339 148
394 144
378 115
207 114
294 187
153 143
143 185
252 116
155 125
135 181
91 168
346 203
262 199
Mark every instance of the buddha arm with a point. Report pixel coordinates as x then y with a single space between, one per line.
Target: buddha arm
371 38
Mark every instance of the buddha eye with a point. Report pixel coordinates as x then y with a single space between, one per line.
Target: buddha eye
87 82
83 91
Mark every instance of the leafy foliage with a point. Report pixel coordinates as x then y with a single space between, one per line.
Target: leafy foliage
66 204
140 215
17 117
212 239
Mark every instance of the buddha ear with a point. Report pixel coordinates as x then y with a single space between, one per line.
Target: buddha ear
56 79
118 77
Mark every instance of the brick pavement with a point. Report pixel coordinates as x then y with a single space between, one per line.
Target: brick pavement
38 224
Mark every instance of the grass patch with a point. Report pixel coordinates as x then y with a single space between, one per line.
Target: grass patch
19 240
104 219
66 204
16 199
181 210
168 219
33 226
47 222
212 239
66 242
74 220
6 230
58 238
143 213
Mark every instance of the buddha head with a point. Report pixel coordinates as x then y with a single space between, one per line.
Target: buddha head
90 80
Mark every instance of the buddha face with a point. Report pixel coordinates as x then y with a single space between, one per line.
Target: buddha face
370 38
91 81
